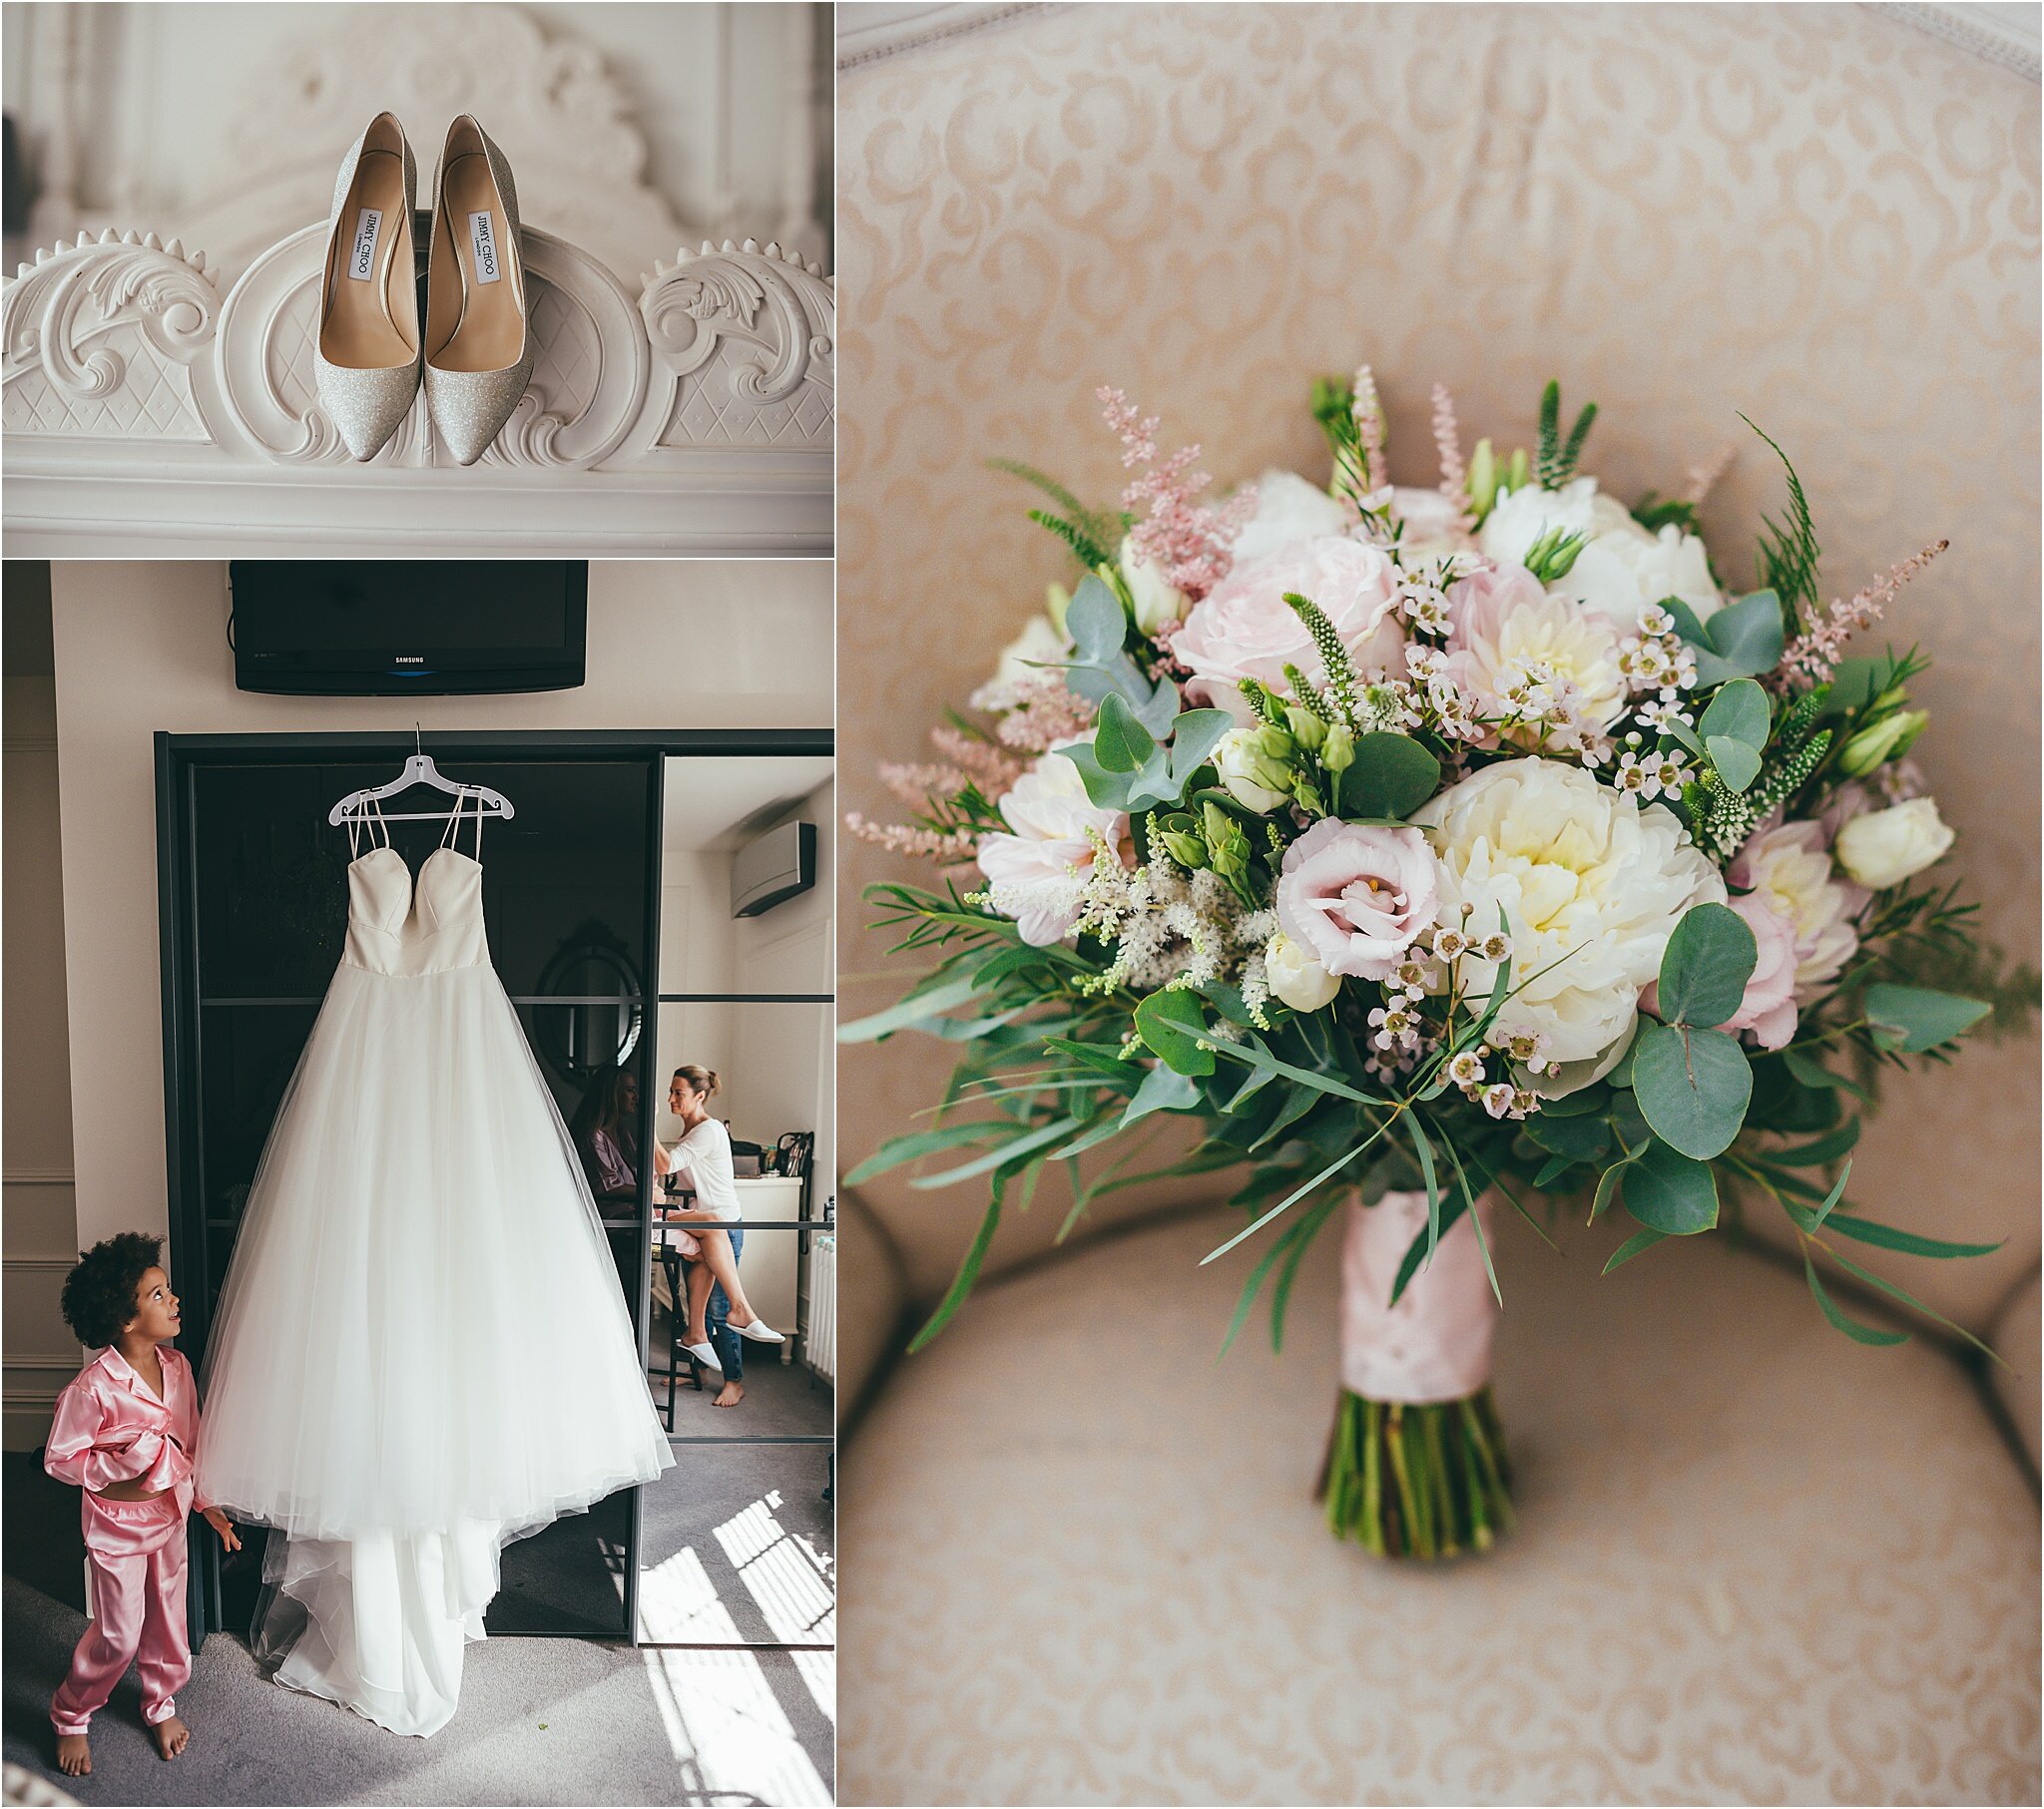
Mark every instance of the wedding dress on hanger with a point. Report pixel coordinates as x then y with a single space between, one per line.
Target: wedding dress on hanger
421 1351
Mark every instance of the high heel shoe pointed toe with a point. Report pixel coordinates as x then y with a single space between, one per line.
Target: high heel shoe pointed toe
478 327
365 360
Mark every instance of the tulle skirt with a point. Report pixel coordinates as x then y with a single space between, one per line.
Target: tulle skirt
421 1350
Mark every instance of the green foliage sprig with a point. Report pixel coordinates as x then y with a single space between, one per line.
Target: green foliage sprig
1554 462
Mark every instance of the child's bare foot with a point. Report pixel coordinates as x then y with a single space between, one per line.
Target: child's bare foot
729 1395
74 1755
170 1737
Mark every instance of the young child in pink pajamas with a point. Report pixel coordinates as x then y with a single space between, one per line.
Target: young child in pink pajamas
127 1432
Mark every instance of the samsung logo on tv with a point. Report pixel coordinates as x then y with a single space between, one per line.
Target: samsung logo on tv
407 658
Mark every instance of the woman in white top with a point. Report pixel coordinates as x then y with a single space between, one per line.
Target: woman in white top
701 1161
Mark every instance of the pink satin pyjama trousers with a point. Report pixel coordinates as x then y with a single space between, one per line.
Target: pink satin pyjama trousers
137 1558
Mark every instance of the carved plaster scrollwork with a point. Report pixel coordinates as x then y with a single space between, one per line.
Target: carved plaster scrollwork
100 338
142 406
747 338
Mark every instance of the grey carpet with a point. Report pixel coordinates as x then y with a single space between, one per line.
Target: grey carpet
739 1540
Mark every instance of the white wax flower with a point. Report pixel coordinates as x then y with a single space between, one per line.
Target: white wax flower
1885 847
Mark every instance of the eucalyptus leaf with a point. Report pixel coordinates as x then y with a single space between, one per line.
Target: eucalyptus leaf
1120 743
1739 713
1102 668
1390 776
1581 1140
1666 1191
1705 967
1737 763
1171 1024
1693 1085
1741 640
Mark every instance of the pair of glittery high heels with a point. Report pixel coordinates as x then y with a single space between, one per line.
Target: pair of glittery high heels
476 352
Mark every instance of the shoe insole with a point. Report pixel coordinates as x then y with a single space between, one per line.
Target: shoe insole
490 335
372 310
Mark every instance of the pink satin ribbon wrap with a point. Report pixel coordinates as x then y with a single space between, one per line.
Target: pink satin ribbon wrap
1434 1345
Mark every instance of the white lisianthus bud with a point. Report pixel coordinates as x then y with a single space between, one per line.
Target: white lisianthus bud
1244 767
1156 599
1297 978
1885 847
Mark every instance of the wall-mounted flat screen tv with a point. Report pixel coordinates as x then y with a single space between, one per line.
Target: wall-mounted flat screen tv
407 628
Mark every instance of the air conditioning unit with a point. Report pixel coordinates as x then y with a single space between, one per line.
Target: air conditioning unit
773 869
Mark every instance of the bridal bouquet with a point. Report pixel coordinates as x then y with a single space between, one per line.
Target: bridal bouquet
1428 848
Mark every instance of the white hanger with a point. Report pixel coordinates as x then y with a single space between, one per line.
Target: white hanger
420 770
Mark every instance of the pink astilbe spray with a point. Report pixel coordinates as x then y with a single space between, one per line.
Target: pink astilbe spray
1044 712
1368 409
947 847
1703 478
1809 657
1447 436
1188 540
985 764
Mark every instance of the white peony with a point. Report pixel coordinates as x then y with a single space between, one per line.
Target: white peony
1789 868
1623 568
1297 978
1156 598
1619 575
1885 847
1290 510
1520 517
1591 882
1432 525
1036 874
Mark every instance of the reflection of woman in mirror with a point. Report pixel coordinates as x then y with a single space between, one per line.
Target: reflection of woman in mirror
606 1133
702 1163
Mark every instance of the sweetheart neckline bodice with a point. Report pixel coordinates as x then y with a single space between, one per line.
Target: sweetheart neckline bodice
429 924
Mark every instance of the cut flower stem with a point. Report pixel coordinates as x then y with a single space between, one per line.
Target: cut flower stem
1429 1481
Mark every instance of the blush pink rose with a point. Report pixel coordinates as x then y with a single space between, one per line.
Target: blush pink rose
1243 628
1769 1007
1358 895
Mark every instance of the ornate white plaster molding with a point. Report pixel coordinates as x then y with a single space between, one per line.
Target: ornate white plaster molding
145 411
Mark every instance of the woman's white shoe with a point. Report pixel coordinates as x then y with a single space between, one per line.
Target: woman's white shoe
759 1331
704 1356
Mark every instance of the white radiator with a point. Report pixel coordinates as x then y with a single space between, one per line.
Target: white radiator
822 1340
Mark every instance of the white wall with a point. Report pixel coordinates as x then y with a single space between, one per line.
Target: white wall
142 646
39 1213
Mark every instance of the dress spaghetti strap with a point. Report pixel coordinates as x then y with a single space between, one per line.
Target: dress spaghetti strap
361 820
452 835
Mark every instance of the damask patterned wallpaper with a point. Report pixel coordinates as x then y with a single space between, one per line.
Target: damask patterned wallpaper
1819 215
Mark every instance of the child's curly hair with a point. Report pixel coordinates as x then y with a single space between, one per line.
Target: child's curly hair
99 1294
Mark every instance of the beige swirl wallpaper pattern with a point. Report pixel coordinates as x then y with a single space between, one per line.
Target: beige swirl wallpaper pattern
1759 1563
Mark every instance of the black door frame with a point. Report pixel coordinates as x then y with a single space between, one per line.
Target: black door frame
179 761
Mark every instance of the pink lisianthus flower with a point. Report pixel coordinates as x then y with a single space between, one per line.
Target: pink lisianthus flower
1243 628
1037 874
1356 896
